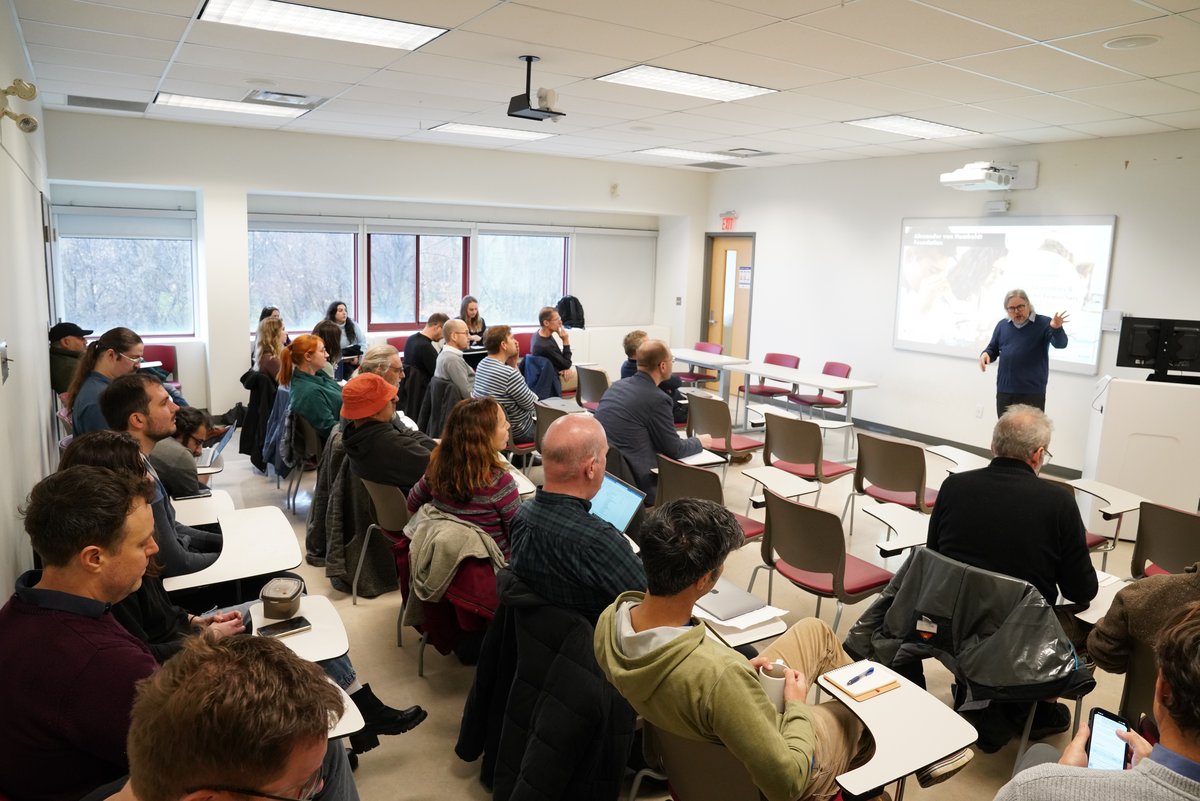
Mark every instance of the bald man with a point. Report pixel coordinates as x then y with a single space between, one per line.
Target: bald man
560 549
451 366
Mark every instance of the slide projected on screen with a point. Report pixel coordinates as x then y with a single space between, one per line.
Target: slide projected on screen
954 274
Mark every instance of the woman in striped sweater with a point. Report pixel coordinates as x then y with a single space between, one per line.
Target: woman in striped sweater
466 476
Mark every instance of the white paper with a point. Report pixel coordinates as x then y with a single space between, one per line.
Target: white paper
757 617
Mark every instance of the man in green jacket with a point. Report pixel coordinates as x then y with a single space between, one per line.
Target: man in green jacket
660 658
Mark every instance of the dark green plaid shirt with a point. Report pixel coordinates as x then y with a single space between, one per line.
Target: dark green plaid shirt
570 557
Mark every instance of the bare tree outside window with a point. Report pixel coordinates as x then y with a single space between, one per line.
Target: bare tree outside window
143 284
516 275
300 272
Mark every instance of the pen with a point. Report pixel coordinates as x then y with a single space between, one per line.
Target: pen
862 675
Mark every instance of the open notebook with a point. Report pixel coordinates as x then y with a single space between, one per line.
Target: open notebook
863 680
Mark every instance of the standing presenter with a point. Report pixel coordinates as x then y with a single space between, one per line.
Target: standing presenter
1024 340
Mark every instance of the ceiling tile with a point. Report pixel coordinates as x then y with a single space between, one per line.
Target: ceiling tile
96 42
873 95
447 87
1140 98
912 28
89 16
856 133
765 118
238 37
504 52
819 107
41 54
1048 134
798 44
735 65
96 90
809 138
975 118
1051 109
1190 80
703 125
698 20
634 95
438 13
220 76
254 64
930 145
1126 127
951 83
1184 120
423 63
1042 68
874 151
1179 50
65 74
784 9
178 8
1043 20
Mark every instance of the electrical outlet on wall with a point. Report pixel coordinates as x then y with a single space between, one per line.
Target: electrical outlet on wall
678 301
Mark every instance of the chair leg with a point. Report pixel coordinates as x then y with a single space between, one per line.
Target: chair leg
637 780
362 557
1075 719
837 617
753 487
400 626
1025 734
421 656
818 614
754 577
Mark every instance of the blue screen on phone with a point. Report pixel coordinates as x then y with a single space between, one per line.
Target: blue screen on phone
1107 750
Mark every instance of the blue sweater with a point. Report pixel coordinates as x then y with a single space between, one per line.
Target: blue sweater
1025 367
85 411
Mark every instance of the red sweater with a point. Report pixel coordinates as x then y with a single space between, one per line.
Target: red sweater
492 508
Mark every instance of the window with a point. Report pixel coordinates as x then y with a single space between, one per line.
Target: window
115 268
301 272
411 276
517 274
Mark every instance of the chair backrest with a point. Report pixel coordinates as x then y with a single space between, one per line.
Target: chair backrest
1137 697
545 416
678 480
1170 538
697 770
783 360
805 537
391 507
709 416
164 354
525 340
398 342
710 347
792 440
312 440
593 384
891 465
838 370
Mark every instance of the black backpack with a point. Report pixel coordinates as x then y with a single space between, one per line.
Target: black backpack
571 312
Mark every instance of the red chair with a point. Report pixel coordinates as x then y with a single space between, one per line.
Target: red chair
711 416
398 342
525 342
834 400
762 389
890 471
795 446
165 354
699 376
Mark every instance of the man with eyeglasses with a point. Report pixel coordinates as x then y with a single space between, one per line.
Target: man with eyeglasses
1005 518
1024 340
174 457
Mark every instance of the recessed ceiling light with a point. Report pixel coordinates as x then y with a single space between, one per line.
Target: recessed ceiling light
1132 42
487 130
689 155
236 106
322 23
685 83
910 126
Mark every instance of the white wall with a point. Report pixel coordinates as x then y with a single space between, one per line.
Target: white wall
227 165
828 247
25 416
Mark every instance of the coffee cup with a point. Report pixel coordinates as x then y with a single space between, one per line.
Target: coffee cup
772 677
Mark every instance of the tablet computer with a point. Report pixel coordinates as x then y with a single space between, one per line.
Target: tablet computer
617 502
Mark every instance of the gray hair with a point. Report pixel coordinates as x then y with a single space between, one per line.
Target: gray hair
376 359
1018 293
1020 431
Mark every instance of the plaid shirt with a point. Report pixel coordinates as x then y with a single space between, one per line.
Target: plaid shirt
570 557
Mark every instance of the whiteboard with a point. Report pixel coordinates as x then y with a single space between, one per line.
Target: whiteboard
612 275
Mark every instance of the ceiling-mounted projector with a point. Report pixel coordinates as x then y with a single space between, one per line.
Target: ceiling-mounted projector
522 105
989 176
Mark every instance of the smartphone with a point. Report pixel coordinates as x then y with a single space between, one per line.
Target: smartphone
1105 749
283 628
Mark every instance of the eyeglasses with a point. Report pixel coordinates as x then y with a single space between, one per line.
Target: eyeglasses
1047 456
309 789
134 359
193 441
1015 309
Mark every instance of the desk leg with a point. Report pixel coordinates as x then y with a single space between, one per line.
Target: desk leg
746 403
723 383
849 428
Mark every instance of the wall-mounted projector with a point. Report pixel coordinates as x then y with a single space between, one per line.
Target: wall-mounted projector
989 176
522 105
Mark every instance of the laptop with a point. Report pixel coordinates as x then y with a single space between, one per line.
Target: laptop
616 502
727 600
209 454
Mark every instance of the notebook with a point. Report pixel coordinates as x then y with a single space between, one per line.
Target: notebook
727 600
616 502
208 455
863 680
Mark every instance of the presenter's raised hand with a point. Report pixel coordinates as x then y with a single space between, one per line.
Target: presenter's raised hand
984 361
1059 318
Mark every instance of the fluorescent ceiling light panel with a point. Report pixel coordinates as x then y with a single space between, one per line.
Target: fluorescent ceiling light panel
911 126
487 130
322 23
236 106
690 155
684 83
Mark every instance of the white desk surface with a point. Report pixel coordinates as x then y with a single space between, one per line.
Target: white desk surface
149 364
1119 501
902 745
739 637
963 460
524 485
911 527
789 375
201 511
1110 585
325 640
827 425
705 458
715 361
563 405
704 393
351 720
781 482
217 466
256 541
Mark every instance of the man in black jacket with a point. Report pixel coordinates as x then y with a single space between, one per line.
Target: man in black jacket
379 450
420 359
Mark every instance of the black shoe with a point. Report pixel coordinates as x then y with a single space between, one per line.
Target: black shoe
381 718
1050 718
352 758
362 742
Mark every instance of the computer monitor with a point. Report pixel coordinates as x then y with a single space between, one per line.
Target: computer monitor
1162 345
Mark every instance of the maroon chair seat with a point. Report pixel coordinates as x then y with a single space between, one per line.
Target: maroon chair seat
830 470
700 376
815 400
750 527
592 406
860 577
1094 540
737 444
1154 570
764 390
908 499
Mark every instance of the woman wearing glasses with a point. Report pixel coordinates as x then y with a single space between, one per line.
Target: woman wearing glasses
1023 339
117 352
314 395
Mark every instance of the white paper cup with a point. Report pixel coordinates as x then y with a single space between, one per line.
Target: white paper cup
771 677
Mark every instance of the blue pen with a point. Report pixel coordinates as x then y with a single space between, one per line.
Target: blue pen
862 675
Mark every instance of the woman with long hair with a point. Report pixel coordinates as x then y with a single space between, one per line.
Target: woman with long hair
351 339
468 312
117 352
267 313
466 476
330 334
270 346
314 395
